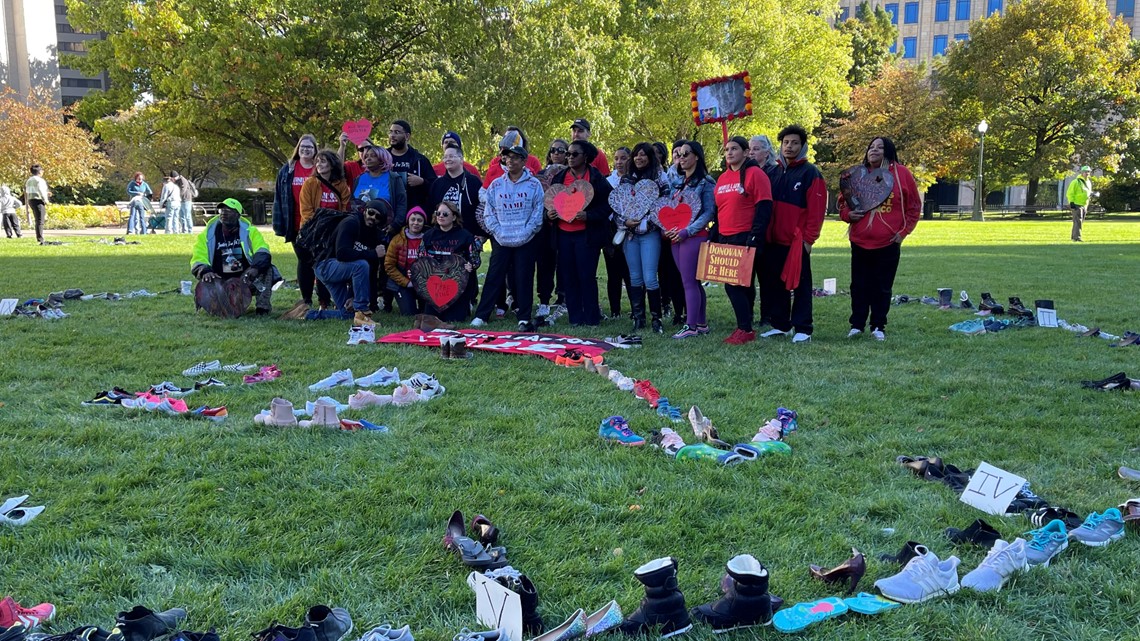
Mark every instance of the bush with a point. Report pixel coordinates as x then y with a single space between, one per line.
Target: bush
81 216
1120 195
104 193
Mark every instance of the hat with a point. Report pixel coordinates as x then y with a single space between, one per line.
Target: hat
233 204
512 142
1086 168
451 135
581 123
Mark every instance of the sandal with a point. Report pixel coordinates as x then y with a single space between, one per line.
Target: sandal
479 557
488 533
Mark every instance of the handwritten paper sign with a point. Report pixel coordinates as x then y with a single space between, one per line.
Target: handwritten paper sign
730 264
495 606
8 306
991 489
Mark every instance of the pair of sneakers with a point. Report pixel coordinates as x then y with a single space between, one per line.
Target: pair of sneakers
114 396
623 382
381 377
797 337
876 333
358 334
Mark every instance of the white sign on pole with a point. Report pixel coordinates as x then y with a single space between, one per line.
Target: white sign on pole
496 606
991 489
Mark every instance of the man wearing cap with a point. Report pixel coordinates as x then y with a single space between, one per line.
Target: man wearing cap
451 139
1079 192
498 167
580 130
230 248
406 159
357 247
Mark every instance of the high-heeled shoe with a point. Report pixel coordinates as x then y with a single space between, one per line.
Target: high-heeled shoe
851 570
487 532
454 530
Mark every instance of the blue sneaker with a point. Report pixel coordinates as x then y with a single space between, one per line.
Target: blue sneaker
1046 543
617 430
665 410
1099 530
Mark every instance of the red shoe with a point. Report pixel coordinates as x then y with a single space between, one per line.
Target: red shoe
740 337
12 613
645 391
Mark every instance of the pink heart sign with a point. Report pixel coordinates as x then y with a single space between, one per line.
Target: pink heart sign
357 130
569 200
634 202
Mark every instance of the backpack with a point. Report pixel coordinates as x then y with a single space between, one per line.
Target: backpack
319 234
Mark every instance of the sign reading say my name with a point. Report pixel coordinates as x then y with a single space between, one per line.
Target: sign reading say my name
730 264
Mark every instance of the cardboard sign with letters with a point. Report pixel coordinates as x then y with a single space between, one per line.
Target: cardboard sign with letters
992 489
729 264
495 606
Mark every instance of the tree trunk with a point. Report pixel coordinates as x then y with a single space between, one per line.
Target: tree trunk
1031 195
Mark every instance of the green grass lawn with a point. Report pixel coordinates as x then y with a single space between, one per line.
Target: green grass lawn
243 524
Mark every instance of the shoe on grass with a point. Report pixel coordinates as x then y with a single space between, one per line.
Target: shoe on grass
336 379
209 382
144 624
386 632
1003 561
706 452
365 398
801 337
1045 543
382 376
668 440
12 613
1042 516
925 577
280 414
687 331
405 395
239 367
773 333
358 334
616 429
1128 474
878 335
740 337
977 533
647 392
1118 381
330 624
1099 530
202 368
216 414
854 332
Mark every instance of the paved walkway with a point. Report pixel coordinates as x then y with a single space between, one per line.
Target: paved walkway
266 230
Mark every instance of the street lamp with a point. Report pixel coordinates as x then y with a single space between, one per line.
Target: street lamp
979 191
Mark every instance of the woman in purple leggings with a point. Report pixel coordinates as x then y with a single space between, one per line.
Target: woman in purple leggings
687 240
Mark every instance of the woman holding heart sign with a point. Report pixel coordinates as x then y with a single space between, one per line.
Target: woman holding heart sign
449 238
686 226
632 201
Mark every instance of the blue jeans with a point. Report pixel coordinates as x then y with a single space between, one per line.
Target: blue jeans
137 221
336 275
173 221
642 254
186 213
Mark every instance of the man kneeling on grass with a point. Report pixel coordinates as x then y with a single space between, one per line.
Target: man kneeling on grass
232 264
352 256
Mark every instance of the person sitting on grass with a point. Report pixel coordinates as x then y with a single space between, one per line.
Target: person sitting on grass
348 259
232 263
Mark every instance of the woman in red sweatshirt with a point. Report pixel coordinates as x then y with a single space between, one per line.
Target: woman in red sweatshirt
876 240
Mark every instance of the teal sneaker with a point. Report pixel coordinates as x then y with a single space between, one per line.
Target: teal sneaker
1099 530
617 430
1046 543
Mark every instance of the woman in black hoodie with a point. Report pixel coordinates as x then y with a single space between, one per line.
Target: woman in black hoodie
580 241
448 237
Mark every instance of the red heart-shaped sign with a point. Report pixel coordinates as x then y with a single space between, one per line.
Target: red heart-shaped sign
567 204
357 130
675 217
442 291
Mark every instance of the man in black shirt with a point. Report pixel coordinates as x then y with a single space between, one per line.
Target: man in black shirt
350 259
406 159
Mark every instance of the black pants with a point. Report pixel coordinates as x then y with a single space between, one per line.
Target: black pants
672 288
546 264
578 273
409 304
872 277
742 299
786 312
306 277
617 272
516 263
12 225
39 212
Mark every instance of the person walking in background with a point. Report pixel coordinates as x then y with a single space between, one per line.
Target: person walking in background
139 193
189 193
1079 193
876 240
8 206
38 196
686 241
799 203
171 201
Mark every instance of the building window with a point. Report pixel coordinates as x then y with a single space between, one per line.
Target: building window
942 11
894 47
893 9
60 9
992 7
959 37
86 83
73 46
844 12
940 43
910 47
962 10
62 27
1125 8
910 13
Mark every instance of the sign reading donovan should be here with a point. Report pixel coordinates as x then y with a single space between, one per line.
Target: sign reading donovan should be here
730 264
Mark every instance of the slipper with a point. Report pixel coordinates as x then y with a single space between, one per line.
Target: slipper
867 603
802 615
475 555
1128 473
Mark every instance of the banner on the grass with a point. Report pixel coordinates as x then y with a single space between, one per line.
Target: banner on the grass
730 264
992 489
548 346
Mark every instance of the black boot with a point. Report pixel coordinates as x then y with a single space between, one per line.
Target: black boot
745 602
143 624
944 294
991 305
655 309
977 533
663 605
964 300
637 307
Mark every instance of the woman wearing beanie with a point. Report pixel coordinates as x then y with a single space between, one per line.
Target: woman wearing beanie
402 253
448 238
580 241
643 238
686 241
743 211
876 240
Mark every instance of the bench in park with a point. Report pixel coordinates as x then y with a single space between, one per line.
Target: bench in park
202 212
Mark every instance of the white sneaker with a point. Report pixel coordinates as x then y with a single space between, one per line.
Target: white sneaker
343 377
625 384
380 377
923 578
1003 561
356 335
772 333
202 368
801 338
478 322
854 332
879 335
524 326
543 310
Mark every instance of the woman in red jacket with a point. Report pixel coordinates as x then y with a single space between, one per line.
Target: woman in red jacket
876 240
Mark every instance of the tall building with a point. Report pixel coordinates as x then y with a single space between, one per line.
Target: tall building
928 27
33 34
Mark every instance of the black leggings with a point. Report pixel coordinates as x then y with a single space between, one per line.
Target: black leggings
617 272
306 277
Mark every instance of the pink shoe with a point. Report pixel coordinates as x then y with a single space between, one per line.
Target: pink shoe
365 398
12 613
267 373
404 395
771 431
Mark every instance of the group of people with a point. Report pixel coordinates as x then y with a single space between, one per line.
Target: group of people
391 207
175 201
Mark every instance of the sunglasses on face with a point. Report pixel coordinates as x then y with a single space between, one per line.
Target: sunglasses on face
557 150
440 214
574 154
683 155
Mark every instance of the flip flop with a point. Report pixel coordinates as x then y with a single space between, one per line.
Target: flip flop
1126 473
867 603
802 615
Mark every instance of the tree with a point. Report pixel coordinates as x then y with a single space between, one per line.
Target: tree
872 35
35 131
903 104
1051 77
